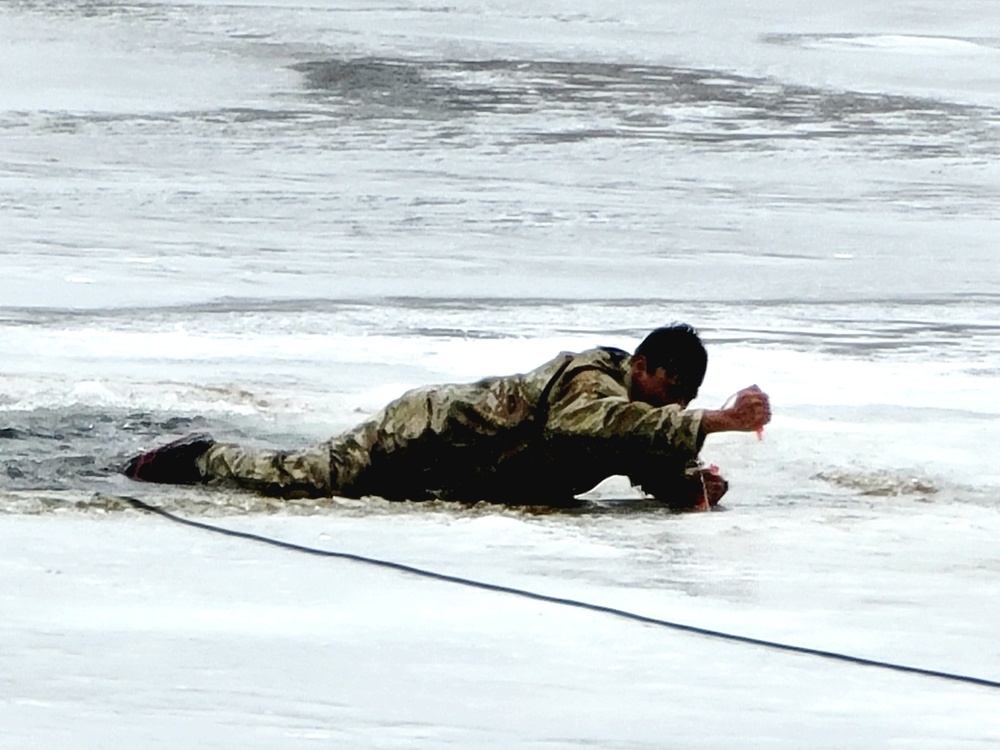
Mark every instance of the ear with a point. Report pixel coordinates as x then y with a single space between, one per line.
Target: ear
638 364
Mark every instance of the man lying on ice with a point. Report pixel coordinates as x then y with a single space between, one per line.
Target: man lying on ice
538 438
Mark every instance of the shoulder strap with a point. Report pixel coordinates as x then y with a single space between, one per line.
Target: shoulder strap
542 412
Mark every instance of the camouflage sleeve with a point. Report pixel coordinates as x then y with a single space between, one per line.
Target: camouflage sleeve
593 404
276 473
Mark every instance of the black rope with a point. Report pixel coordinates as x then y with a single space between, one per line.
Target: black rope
564 602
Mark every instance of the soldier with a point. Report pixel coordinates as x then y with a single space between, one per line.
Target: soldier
538 438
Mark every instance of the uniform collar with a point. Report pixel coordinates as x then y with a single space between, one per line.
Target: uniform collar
627 375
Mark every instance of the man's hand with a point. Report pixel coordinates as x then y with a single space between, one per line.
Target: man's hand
715 486
750 411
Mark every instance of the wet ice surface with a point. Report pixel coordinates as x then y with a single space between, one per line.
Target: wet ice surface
298 161
172 635
265 220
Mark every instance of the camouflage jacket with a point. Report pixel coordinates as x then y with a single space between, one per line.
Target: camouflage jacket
535 438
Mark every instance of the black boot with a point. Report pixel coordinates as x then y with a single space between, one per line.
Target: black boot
173 463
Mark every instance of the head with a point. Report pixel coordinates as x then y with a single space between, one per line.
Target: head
669 366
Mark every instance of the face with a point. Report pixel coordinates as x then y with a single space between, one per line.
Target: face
656 388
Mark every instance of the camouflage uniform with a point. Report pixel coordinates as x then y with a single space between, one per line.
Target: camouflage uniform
537 438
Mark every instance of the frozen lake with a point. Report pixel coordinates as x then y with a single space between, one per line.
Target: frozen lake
264 220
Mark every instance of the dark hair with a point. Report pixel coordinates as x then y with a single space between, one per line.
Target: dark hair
679 351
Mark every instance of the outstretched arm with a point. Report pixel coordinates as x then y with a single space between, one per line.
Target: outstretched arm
593 404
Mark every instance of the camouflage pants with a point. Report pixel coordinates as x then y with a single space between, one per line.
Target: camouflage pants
290 474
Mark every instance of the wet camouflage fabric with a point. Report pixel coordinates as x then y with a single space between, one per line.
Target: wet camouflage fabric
281 473
536 438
